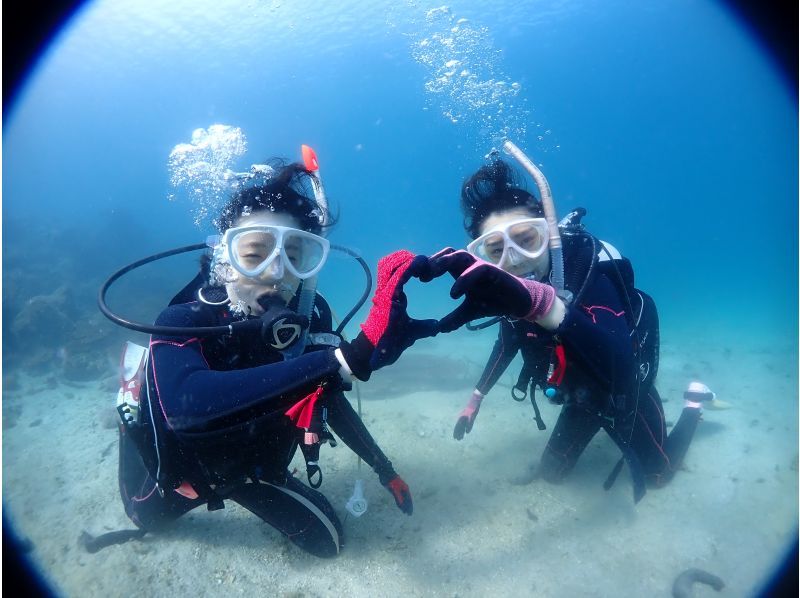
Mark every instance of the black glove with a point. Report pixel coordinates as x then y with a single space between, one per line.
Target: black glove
488 290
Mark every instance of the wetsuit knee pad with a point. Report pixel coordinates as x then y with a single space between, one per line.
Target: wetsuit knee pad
143 504
303 515
552 468
558 460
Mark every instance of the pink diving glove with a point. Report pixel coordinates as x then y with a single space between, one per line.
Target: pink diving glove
467 416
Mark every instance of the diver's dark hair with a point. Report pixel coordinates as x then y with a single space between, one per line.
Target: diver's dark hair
494 187
287 189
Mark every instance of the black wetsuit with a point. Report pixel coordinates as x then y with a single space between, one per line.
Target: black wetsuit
219 406
602 386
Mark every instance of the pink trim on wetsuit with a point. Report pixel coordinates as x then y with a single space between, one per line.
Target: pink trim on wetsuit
499 356
588 310
660 417
144 498
155 376
182 345
660 449
557 376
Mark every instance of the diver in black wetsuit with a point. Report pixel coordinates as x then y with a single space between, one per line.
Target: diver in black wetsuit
592 348
221 417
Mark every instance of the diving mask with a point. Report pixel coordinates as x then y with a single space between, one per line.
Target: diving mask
250 250
508 244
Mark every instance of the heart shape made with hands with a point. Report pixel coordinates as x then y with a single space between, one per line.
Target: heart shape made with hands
389 330
388 321
487 289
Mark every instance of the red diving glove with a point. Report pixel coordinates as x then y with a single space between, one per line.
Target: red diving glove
388 330
467 416
488 290
400 492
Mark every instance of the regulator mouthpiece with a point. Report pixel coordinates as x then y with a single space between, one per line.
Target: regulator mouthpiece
281 327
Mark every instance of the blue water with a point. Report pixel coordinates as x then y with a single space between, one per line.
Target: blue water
680 143
665 119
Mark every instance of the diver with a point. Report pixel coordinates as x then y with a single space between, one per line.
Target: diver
220 416
588 337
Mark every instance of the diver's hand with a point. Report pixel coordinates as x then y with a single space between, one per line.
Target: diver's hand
487 290
466 418
401 494
388 330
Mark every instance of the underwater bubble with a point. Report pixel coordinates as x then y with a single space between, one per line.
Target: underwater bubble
202 167
465 80
262 169
435 13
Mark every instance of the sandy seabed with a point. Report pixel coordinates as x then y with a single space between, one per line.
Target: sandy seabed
732 511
